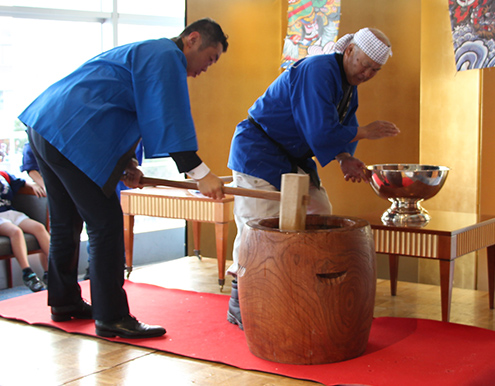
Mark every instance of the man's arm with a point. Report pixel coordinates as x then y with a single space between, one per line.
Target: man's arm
376 130
208 183
355 170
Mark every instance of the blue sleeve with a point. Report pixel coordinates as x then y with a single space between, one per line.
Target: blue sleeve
16 183
28 159
161 92
315 93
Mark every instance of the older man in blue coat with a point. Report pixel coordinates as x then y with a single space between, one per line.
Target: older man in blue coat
308 112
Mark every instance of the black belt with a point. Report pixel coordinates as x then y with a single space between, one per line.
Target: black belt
295 162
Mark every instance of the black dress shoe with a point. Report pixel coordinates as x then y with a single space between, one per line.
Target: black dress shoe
127 327
81 310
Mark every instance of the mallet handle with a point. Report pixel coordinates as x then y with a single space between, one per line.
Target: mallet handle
264 194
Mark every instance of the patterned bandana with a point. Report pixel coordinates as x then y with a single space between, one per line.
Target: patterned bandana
366 40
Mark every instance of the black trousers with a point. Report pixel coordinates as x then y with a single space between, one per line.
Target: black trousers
72 199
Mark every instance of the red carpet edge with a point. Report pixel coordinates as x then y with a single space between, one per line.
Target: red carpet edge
401 351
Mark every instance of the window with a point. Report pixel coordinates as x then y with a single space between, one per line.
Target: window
41 41
34 55
79 5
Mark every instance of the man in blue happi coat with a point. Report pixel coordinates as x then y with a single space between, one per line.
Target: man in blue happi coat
308 111
84 130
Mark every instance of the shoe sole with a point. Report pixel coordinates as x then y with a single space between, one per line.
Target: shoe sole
232 319
60 318
35 289
111 334
66 318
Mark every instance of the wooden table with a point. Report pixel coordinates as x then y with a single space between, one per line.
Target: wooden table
178 204
446 237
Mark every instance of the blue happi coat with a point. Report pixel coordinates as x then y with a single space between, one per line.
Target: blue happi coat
98 113
298 112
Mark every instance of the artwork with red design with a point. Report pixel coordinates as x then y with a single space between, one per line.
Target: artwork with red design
473 32
313 26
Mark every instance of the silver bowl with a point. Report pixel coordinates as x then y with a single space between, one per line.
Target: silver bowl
406 186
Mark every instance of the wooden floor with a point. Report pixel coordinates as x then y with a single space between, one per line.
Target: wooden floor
45 356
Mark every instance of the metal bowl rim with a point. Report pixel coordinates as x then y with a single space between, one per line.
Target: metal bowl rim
434 168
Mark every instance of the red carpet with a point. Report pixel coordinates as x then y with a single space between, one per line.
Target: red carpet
401 351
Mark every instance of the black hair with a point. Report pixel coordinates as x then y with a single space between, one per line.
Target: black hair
211 33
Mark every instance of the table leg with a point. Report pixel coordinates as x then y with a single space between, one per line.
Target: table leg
393 266
221 234
196 226
446 281
490 254
128 241
8 267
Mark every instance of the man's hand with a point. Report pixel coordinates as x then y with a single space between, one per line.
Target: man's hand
211 186
353 169
132 175
377 130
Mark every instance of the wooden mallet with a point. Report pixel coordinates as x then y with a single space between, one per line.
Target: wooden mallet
293 197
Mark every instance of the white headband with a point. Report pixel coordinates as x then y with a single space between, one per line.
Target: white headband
366 40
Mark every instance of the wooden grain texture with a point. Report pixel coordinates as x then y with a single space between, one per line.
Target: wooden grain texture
264 194
295 189
307 296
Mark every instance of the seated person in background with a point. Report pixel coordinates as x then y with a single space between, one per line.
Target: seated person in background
13 224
